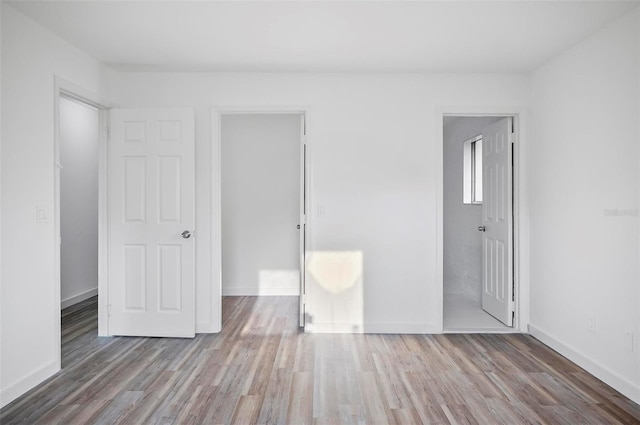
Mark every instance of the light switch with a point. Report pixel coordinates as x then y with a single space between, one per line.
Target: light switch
42 214
628 340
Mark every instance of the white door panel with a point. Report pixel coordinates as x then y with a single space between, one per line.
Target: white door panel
151 202
497 273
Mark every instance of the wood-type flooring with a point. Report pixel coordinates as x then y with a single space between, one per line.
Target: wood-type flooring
262 370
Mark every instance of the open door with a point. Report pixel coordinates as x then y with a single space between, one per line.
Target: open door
151 222
303 218
497 221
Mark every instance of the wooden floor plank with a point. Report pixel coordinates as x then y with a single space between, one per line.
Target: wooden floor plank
261 369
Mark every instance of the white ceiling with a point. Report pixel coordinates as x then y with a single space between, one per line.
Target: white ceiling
346 36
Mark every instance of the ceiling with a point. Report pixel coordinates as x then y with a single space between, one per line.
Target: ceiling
324 36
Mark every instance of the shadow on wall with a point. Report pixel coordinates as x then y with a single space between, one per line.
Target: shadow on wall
336 281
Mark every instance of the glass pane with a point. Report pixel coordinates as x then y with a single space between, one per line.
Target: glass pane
477 165
467 173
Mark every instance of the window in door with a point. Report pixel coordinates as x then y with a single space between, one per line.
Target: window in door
472 171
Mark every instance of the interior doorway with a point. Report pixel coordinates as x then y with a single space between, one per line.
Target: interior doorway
263 213
80 136
478 225
78 153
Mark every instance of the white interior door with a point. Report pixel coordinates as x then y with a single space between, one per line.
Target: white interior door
497 258
151 222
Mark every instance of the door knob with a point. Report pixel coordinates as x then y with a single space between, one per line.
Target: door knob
186 234
482 228
298 226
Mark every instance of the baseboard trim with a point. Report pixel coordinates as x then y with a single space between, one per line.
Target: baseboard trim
20 387
627 388
205 328
400 328
333 328
253 292
372 328
79 298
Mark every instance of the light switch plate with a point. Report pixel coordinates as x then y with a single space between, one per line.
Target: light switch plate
628 341
42 214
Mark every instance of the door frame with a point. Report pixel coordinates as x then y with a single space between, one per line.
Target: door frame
520 206
216 191
64 88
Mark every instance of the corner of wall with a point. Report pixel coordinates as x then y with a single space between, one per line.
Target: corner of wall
600 371
588 93
16 389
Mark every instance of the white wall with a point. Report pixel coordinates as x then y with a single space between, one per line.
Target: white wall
30 304
584 162
260 204
79 137
462 240
374 173
373 143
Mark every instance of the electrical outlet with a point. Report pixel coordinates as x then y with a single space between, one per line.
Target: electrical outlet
592 323
628 340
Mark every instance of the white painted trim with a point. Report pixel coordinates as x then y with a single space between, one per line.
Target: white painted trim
205 328
24 384
481 331
265 109
79 93
216 223
373 328
57 318
216 192
252 291
333 328
103 225
520 202
638 260
303 213
400 328
79 298
621 384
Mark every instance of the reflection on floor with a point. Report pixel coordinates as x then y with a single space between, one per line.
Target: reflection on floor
464 314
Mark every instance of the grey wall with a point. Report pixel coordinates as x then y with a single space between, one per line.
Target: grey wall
78 201
260 204
462 240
